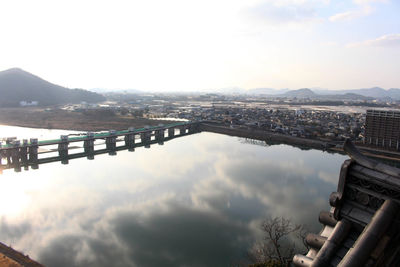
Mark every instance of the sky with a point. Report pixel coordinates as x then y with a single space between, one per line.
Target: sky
187 45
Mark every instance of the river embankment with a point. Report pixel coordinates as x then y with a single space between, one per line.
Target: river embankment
265 136
302 143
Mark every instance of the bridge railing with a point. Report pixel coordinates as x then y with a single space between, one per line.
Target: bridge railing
99 135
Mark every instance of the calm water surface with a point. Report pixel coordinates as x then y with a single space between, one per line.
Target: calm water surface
197 200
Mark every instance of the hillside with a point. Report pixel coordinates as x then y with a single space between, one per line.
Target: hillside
355 94
374 92
18 85
266 91
300 93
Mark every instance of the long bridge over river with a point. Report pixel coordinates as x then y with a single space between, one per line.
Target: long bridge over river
24 153
17 154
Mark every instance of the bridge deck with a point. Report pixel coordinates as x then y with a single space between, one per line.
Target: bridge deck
100 135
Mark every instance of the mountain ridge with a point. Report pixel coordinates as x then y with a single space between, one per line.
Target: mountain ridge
18 85
365 93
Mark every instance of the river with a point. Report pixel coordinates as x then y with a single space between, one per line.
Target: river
197 200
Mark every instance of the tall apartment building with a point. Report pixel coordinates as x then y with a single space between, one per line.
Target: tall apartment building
382 129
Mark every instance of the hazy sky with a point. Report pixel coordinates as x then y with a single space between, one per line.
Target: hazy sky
204 44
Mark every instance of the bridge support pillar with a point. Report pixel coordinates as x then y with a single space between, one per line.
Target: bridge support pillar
1 153
182 130
160 136
193 128
63 149
33 153
88 145
15 155
111 143
8 156
130 139
171 132
146 137
24 151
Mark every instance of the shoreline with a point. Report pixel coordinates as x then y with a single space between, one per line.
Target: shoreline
302 143
74 121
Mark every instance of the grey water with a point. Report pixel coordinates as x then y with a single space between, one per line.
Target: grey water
197 200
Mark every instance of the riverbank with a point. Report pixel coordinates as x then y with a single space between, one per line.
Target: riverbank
79 121
70 120
302 143
265 136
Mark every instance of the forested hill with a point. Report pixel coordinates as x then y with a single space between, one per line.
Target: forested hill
18 85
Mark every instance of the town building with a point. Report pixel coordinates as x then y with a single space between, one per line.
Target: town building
382 129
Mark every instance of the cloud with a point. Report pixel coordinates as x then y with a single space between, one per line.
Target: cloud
187 245
280 191
364 9
388 40
329 43
352 14
13 231
285 12
364 2
328 177
180 236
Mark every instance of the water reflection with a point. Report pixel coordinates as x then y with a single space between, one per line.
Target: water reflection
196 201
54 155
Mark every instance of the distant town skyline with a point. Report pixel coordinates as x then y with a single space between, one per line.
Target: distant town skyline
183 45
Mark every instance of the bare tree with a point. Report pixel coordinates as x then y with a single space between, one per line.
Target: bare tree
279 243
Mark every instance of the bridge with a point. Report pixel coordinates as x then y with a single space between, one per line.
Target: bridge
26 153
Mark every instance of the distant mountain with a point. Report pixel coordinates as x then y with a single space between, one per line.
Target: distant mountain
301 93
117 91
308 93
18 85
317 93
266 91
229 90
374 92
394 93
348 96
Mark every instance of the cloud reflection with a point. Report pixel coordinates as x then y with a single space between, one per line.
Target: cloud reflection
283 188
194 202
176 236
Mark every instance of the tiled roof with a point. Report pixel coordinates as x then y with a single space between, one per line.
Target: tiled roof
361 229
